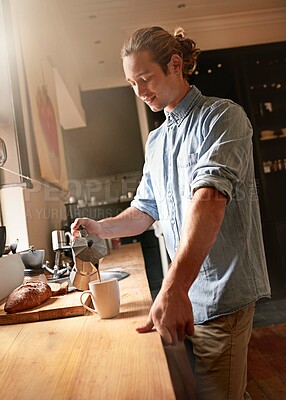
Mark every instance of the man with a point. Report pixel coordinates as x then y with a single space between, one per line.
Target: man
198 180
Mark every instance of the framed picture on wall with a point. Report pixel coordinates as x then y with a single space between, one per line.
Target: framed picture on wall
47 129
41 90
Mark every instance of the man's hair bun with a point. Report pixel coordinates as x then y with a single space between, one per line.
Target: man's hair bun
179 33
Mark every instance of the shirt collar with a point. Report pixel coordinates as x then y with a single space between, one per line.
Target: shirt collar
182 109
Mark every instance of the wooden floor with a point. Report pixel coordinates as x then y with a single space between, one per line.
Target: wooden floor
267 363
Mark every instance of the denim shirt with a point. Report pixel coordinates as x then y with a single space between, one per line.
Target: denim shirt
207 142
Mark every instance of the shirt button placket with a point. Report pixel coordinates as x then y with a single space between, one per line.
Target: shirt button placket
171 207
171 204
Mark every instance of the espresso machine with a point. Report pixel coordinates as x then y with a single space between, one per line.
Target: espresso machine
63 257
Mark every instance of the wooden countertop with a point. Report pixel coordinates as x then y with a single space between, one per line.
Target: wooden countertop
88 358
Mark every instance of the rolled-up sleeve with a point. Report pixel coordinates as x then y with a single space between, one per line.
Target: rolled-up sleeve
225 151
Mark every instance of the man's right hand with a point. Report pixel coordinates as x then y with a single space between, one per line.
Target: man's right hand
90 225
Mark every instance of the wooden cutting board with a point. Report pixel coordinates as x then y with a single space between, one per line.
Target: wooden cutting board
68 305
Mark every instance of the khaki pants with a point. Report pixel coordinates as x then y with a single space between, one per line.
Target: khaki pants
219 356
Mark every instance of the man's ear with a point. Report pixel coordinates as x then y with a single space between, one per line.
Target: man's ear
176 63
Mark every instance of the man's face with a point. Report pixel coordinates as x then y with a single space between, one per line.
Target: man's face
149 82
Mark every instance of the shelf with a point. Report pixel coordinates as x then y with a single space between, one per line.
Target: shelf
277 174
272 137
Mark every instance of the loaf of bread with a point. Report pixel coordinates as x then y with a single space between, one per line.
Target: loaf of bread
26 296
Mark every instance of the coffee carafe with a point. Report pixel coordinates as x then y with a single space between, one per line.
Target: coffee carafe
87 250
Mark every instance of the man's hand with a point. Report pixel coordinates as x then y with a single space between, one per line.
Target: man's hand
90 225
171 315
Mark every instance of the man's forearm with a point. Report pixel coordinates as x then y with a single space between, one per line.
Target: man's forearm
202 224
129 222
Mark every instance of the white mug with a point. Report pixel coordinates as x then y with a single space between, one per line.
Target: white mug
105 297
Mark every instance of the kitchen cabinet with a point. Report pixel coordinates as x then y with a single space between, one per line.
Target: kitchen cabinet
265 84
265 101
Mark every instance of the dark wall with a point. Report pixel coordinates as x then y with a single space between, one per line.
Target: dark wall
111 141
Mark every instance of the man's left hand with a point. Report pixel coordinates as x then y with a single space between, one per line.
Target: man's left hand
171 315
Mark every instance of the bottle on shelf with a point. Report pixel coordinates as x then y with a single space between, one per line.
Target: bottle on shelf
274 166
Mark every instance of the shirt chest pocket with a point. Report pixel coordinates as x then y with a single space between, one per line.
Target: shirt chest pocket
185 167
